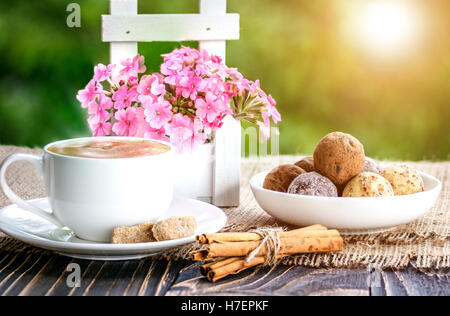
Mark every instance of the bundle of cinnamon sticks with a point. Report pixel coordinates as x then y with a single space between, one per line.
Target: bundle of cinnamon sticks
233 248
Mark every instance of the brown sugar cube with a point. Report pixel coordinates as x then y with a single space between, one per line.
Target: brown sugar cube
175 228
280 178
134 234
306 164
339 157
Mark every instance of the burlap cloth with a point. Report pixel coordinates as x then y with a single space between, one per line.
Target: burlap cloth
424 243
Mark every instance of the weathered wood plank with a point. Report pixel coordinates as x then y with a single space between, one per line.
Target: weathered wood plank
47 278
13 273
139 276
60 288
411 282
10 270
161 278
45 274
105 279
281 280
124 278
27 274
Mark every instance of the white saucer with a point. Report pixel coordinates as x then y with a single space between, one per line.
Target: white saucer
34 230
354 215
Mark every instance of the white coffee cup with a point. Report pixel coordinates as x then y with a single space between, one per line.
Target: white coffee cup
93 196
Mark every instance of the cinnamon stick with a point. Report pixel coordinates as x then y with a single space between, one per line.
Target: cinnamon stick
204 269
223 268
231 236
288 246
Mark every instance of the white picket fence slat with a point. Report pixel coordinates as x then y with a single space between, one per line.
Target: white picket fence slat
122 50
170 27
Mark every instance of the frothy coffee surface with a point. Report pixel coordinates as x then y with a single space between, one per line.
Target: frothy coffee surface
114 149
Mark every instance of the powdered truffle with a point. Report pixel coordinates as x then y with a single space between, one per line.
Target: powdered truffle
175 228
339 157
281 177
404 180
306 164
312 183
368 184
371 165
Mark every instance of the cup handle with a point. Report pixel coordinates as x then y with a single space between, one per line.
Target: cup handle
13 197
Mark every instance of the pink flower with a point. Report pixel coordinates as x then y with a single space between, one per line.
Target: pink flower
171 66
98 110
100 128
181 132
189 86
199 136
158 114
133 67
102 72
184 103
255 90
153 133
234 74
89 93
104 102
99 116
152 86
141 123
208 108
127 122
213 84
133 81
264 130
124 96
272 110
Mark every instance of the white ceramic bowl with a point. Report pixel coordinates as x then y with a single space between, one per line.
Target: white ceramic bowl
352 215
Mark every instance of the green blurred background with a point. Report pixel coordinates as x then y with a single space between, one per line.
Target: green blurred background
301 50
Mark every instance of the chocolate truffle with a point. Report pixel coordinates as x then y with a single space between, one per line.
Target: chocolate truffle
404 180
371 165
368 184
339 157
306 164
281 177
312 183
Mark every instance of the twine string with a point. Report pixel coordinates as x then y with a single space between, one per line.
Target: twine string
270 238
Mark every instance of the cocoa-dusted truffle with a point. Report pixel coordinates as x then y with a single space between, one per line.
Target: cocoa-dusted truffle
371 165
281 177
368 184
339 157
404 180
306 164
312 183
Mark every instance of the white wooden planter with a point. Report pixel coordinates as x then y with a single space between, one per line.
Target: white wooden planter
212 173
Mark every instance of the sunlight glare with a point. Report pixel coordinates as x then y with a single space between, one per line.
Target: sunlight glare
387 26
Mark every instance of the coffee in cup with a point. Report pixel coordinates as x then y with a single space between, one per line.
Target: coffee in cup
109 149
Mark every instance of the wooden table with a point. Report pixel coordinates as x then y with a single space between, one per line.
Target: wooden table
44 273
